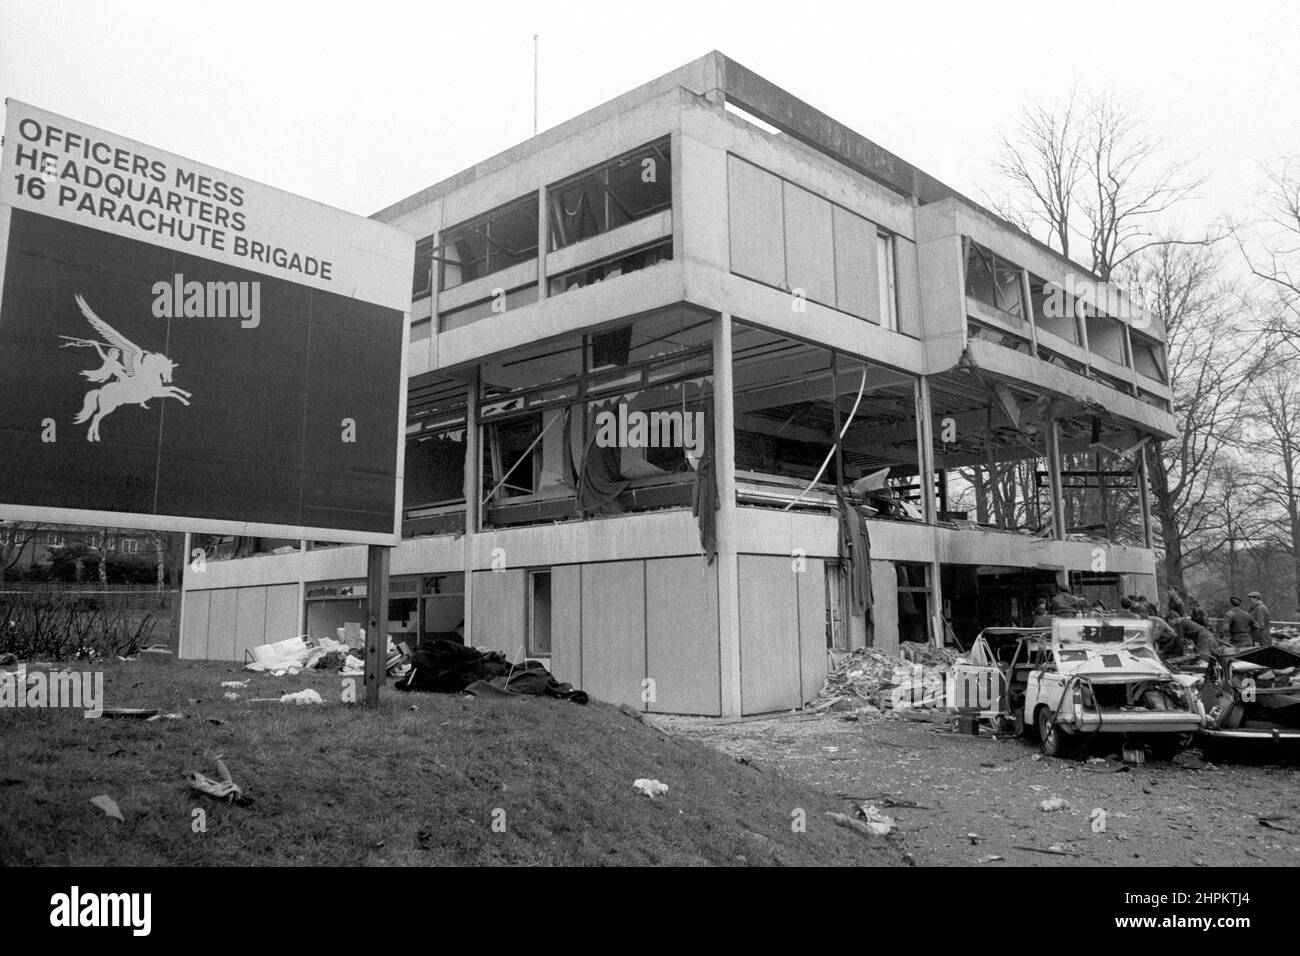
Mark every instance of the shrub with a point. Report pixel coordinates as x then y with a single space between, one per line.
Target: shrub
63 625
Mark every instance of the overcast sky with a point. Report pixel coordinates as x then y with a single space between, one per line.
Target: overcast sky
360 104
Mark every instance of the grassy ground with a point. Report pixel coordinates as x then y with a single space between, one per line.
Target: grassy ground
418 781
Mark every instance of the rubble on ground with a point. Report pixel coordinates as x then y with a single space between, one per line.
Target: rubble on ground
870 680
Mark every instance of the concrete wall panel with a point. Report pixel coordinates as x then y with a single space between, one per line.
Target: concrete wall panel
194 624
566 623
682 636
221 625
250 620
769 634
281 612
499 610
812 628
856 279
757 228
613 631
809 244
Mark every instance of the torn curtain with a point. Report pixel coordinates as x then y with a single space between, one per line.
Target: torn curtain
855 554
704 495
601 480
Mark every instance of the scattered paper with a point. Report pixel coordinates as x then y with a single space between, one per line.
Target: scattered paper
223 789
108 805
651 788
307 696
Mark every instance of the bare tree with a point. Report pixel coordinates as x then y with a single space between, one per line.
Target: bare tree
15 536
1276 258
1087 169
1211 359
1042 162
1276 437
1240 525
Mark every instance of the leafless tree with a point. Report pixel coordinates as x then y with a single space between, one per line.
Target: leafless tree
1212 357
1275 257
15 536
1086 174
1275 439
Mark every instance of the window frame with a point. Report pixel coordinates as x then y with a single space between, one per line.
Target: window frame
530 614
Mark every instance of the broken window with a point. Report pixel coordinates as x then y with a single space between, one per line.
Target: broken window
994 281
1099 478
422 281
1106 337
489 243
886 281
539 613
914 597
435 445
1054 309
1148 357
621 264
990 444
602 423
793 400
633 186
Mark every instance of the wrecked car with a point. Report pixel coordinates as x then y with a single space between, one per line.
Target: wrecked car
1086 676
1253 693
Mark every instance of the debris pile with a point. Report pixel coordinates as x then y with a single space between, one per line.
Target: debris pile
299 654
928 655
871 680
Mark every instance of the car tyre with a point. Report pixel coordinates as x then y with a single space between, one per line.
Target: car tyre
1051 738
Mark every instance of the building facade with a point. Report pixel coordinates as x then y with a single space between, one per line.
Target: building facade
635 339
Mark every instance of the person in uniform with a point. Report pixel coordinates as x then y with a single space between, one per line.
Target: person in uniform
1261 631
1237 622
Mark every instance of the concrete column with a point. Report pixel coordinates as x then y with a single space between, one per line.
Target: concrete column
181 588
473 491
1054 475
724 469
1029 311
302 587
1144 498
925 448
543 242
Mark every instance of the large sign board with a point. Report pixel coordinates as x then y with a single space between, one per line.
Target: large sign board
183 349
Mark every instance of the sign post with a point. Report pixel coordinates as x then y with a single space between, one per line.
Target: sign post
377 562
184 349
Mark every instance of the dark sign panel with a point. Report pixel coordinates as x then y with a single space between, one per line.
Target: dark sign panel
242 377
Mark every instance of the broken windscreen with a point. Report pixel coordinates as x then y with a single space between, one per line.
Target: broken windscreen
1083 631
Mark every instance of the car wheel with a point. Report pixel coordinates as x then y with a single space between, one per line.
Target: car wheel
1051 738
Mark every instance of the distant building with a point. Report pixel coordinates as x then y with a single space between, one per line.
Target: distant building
28 551
709 245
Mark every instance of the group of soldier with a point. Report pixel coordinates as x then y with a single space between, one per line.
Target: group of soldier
1183 634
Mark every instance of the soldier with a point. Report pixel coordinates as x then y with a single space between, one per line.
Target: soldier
1238 623
1260 620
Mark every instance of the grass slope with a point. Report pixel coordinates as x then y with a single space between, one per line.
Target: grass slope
415 782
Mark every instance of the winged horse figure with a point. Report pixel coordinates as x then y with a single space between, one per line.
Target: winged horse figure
131 375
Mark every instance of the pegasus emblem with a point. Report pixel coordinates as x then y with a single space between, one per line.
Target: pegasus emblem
131 376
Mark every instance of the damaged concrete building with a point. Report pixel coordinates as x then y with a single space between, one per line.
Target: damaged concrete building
729 279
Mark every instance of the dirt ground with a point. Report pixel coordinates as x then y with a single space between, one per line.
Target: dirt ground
957 799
